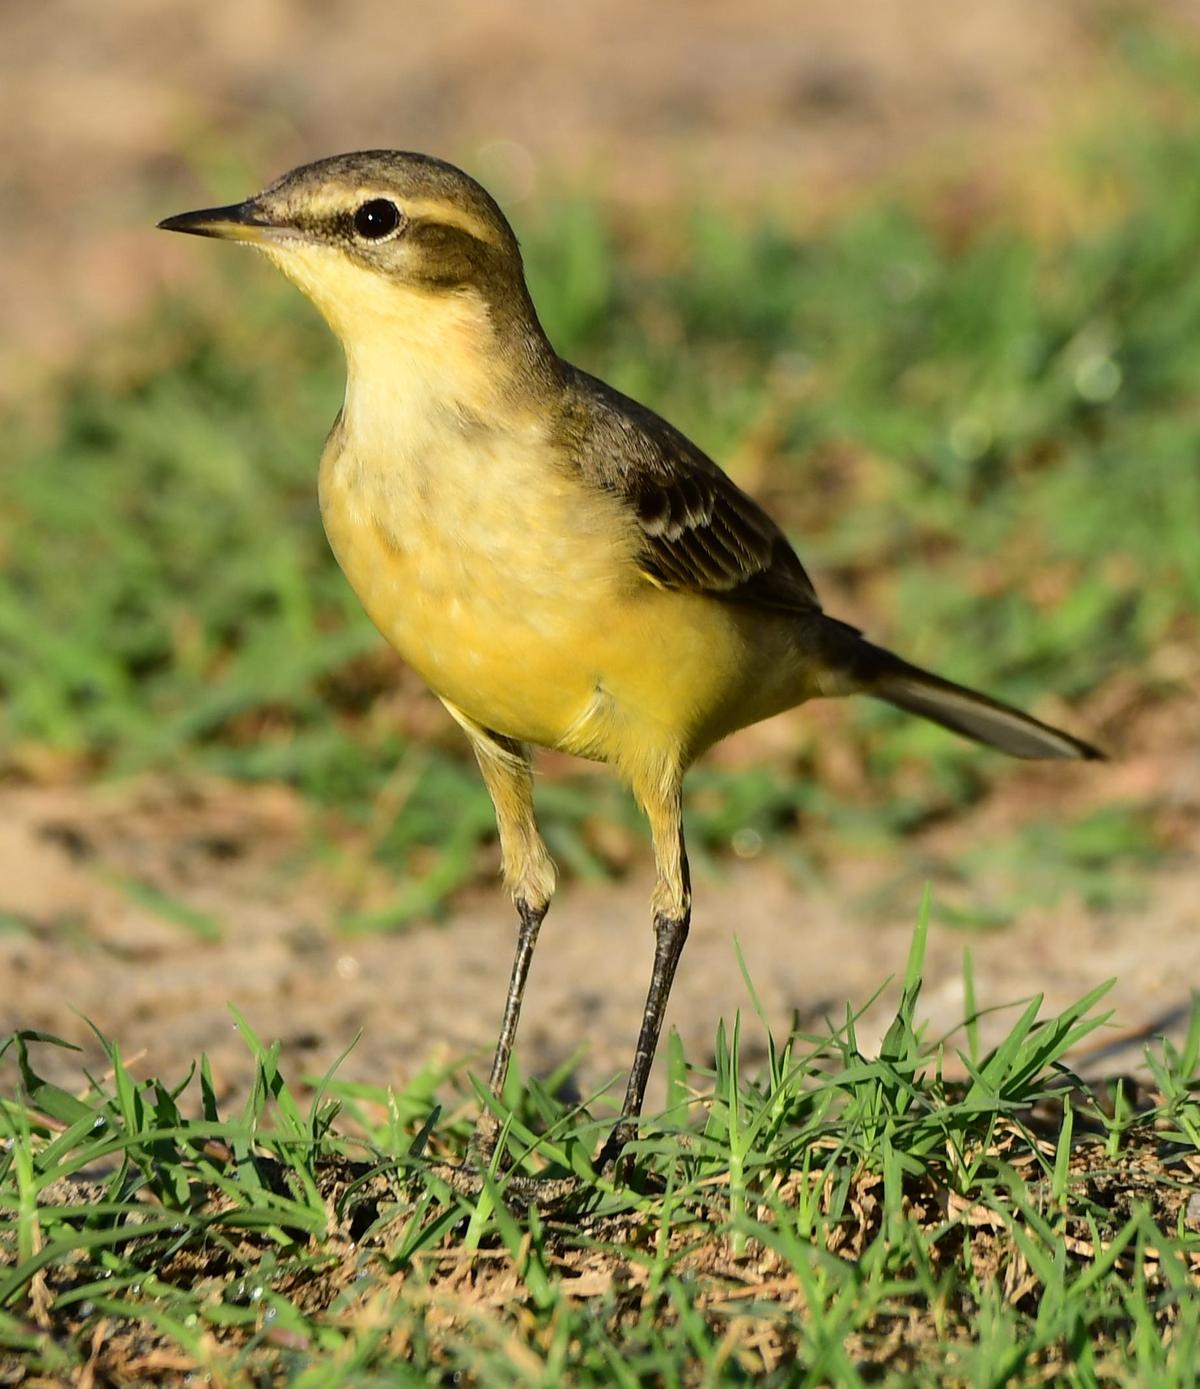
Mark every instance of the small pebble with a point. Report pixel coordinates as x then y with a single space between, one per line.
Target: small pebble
1192 1215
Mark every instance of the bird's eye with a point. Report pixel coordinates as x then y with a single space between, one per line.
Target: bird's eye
376 219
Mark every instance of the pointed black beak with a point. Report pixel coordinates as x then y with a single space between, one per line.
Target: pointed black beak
237 222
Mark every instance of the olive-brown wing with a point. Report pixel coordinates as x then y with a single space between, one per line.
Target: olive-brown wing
699 531
702 532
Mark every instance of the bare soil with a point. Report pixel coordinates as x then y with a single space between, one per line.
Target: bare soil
96 885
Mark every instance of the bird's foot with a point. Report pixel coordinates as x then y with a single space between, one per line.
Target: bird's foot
615 1162
612 1160
517 1188
482 1147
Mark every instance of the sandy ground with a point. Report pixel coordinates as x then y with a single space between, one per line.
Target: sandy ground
111 115
80 938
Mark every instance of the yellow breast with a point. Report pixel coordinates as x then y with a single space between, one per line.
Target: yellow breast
482 565
510 584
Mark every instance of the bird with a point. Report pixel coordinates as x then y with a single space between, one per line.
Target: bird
563 568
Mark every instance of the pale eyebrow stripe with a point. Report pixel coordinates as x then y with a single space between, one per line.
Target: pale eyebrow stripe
432 210
419 209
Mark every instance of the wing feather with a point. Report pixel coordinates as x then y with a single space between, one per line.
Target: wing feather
699 531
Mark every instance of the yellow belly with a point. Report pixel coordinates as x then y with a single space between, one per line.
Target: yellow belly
516 596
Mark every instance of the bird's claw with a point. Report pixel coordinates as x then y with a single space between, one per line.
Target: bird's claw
519 1189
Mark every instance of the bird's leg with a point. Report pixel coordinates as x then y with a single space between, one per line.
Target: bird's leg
530 920
672 904
671 933
529 873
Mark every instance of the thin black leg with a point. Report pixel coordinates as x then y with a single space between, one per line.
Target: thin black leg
527 934
670 936
487 1130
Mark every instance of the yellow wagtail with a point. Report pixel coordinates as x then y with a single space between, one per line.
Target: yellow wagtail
562 567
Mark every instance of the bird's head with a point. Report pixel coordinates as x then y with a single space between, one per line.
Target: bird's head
385 243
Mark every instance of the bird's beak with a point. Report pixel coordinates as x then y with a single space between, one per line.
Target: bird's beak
237 222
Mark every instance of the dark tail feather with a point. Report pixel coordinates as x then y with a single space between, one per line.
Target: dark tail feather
872 670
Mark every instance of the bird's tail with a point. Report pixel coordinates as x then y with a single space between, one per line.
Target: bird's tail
871 670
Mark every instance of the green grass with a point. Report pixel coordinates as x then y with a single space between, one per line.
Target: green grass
983 436
842 1218
982 430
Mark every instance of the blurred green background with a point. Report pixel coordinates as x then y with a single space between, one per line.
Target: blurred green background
971 396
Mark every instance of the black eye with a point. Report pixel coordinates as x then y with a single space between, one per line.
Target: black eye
376 219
